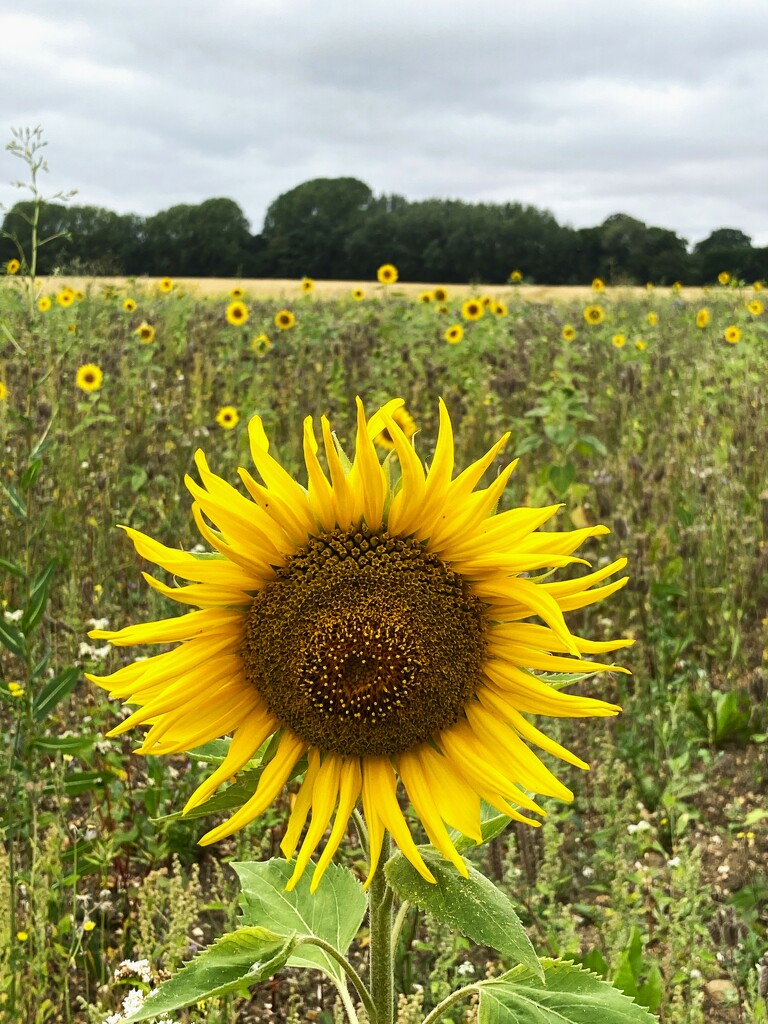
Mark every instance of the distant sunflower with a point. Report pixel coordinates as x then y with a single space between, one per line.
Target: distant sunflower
757 286
619 340
426 297
165 284
653 319
65 297
386 274
236 293
594 314
261 344
649 286
227 417
516 277
237 313
380 630
732 334
358 294
146 333
284 319
454 334
677 286
3 391
568 332
129 305
598 284
403 419
640 345
44 303
89 377
440 294
723 277
500 309
472 309
755 307
702 318
12 267
307 284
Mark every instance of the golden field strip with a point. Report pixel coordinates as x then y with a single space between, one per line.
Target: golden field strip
286 288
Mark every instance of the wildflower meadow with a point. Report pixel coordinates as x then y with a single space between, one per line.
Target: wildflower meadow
517 538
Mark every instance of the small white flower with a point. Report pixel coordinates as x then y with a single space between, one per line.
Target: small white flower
13 616
85 650
133 1002
466 969
98 623
641 826
673 862
588 871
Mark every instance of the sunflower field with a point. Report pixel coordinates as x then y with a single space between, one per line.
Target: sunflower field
641 410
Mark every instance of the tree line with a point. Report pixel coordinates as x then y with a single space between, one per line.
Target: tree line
336 228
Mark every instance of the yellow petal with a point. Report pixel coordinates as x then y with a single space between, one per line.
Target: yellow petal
324 794
350 784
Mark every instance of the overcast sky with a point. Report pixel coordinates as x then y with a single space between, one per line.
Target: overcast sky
656 108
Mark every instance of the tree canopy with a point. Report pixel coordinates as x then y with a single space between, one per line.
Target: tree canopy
336 228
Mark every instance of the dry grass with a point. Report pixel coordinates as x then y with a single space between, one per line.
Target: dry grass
290 289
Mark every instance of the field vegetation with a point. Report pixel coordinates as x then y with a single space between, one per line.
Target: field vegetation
634 409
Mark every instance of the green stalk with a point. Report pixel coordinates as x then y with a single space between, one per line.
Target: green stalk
382 959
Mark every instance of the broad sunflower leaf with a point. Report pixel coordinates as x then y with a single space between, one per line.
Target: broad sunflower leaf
492 824
334 912
234 962
474 905
563 994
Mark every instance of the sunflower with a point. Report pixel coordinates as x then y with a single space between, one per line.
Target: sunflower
426 297
568 332
677 286
472 309
386 274
755 307
261 344
227 417
640 345
146 333
404 421
89 377
12 267
618 341
454 334
44 303
757 286
649 286
65 297
702 318
358 294
440 294
237 313
594 314
732 334
723 277
165 284
500 309
653 319
307 284
377 630
3 391
598 284
236 293
284 319
516 277
129 305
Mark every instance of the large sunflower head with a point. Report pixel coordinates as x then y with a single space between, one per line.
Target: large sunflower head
383 626
236 313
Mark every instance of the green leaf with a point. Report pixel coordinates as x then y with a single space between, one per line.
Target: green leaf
38 598
30 475
12 568
651 992
82 782
54 691
561 478
63 744
12 639
492 824
234 962
334 912
228 799
472 905
15 500
566 995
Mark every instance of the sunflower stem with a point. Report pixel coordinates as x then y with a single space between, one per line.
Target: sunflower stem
382 958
